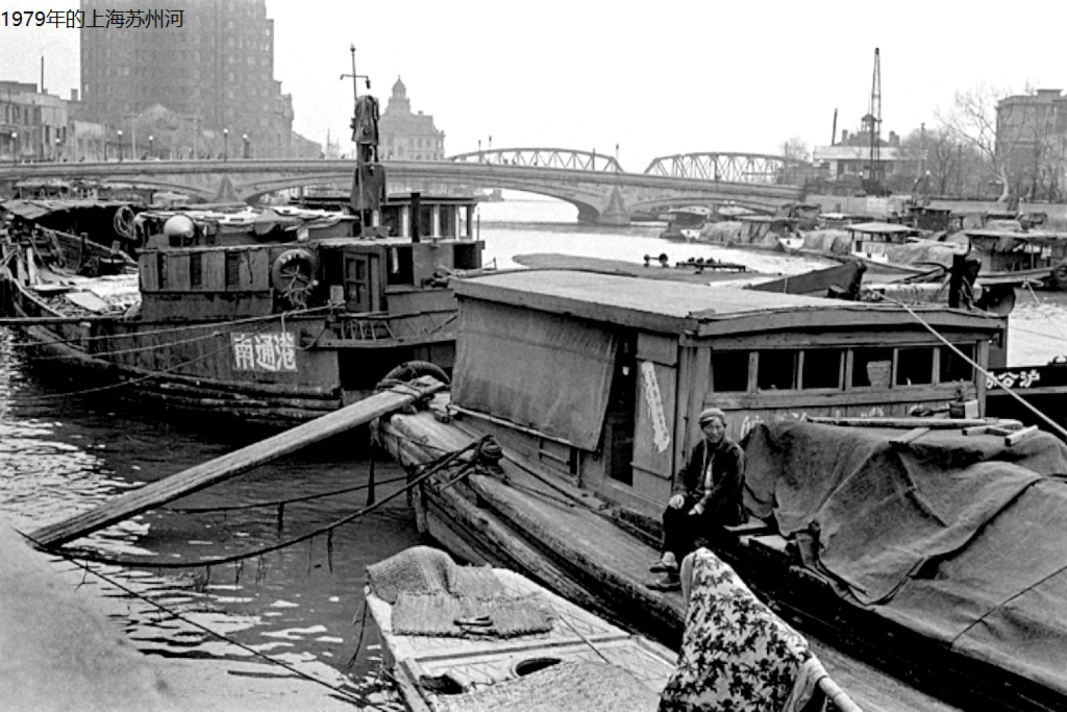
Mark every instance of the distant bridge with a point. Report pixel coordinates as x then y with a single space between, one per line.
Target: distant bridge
594 183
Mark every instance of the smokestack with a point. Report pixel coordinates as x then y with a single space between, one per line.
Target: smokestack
42 75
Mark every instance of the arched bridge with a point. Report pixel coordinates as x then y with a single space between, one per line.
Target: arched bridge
595 184
733 167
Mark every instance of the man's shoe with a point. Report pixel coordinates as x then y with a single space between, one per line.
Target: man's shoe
663 567
667 583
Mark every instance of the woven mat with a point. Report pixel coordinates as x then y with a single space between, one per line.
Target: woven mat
423 569
441 614
566 687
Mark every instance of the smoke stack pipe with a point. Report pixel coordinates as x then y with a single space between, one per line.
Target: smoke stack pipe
42 75
833 134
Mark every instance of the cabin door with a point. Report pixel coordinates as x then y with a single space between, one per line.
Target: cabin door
358 293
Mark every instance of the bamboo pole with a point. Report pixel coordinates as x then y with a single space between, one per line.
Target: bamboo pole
232 464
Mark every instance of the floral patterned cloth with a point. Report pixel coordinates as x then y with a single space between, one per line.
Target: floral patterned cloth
737 655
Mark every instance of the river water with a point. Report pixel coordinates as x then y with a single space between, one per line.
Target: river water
60 454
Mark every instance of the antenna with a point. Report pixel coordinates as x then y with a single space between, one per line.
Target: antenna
872 122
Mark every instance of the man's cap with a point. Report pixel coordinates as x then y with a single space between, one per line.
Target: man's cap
710 414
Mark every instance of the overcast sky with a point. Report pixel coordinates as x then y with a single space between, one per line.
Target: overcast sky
657 78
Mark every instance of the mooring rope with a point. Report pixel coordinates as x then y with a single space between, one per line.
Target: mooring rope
279 502
351 695
174 330
989 376
132 562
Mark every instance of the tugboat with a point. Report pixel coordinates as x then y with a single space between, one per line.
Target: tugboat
274 316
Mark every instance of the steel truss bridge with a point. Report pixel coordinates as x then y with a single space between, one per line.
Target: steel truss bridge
595 183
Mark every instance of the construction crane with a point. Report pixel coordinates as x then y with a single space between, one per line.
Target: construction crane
872 123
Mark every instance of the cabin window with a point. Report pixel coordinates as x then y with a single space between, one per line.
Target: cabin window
196 270
465 256
401 265
777 370
915 366
871 368
953 367
233 269
426 220
448 221
390 219
822 368
729 371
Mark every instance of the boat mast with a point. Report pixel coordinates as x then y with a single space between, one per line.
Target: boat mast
368 184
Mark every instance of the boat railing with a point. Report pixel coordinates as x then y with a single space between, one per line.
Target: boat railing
383 326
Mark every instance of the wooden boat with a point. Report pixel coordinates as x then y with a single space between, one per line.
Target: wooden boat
685 223
693 271
433 670
1033 257
591 384
274 316
562 657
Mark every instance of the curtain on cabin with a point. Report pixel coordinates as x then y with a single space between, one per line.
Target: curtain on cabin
538 370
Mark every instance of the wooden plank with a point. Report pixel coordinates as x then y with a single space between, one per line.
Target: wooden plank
910 422
912 434
1020 435
223 468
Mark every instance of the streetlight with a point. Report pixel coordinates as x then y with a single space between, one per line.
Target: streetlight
120 145
151 140
247 153
58 144
14 147
225 144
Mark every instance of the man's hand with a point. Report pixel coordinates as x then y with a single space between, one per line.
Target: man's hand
676 501
697 510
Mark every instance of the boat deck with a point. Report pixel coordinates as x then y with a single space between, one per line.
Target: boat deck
576 527
577 635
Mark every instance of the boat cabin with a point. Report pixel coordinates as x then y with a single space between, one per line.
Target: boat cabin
234 265
869 239
601 377
1042 255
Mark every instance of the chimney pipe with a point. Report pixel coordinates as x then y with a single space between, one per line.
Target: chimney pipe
42 75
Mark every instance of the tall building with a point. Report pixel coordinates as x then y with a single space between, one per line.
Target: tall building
1032 143
403 135
211 78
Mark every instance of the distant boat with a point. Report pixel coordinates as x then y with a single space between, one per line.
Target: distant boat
271 316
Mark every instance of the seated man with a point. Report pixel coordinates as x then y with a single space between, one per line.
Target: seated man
707 497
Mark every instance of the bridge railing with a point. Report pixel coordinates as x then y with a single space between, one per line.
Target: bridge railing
730 167
565 159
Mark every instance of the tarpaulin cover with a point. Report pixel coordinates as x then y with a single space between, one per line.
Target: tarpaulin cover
535 369
963 539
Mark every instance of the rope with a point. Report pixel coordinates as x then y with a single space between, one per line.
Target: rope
989 377
95 557
277 502
351 696
173 330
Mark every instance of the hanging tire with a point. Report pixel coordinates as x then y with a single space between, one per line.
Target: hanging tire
1059 276
294 274
411 370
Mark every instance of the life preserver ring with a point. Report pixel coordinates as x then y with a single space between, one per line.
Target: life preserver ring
1059 275
294 274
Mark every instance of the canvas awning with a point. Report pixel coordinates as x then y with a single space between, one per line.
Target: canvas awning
535 369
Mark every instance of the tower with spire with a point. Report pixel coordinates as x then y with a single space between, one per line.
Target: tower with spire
407 136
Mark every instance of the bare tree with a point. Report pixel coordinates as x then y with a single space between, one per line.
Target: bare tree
796 148
972 120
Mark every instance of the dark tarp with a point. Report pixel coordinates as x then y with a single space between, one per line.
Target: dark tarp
960 538
535 369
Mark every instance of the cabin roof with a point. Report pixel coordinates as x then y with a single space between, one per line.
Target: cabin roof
36 209
1038 237
881 228
678 308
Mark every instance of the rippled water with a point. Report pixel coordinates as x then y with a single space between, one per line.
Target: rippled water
60 455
